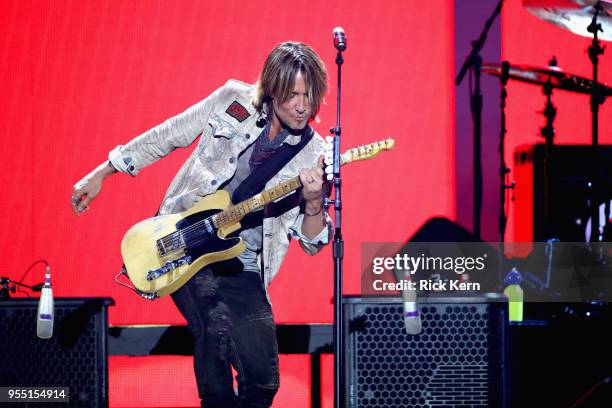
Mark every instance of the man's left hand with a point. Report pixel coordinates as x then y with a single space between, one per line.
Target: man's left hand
312 192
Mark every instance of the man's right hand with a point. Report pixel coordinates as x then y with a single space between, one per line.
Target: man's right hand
88 187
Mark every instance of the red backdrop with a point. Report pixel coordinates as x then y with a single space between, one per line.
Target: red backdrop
80 77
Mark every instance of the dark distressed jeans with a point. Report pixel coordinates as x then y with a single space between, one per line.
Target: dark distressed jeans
232 325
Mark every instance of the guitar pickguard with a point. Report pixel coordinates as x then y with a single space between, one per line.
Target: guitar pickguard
200 236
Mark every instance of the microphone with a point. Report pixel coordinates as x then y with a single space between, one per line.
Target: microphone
44 322
339 39
412 319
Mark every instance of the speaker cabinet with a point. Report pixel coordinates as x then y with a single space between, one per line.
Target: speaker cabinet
564 200
75 357
458 360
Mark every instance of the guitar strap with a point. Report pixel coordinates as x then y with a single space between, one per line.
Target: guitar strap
256 181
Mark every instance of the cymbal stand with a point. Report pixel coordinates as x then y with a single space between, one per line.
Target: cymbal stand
548 132
597 99
503 169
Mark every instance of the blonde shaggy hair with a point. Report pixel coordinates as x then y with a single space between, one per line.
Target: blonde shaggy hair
277 77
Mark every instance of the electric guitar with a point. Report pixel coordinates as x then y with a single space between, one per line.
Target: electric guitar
162 253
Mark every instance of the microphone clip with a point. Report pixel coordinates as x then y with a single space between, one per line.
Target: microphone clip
6 288
261 121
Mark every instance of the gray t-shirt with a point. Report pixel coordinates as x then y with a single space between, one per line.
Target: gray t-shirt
252 224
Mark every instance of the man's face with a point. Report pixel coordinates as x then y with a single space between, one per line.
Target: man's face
295 112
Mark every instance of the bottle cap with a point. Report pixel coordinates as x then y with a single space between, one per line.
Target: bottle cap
513 277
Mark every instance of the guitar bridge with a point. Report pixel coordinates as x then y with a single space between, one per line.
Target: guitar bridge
168 267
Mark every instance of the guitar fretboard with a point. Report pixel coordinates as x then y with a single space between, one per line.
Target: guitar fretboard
236 212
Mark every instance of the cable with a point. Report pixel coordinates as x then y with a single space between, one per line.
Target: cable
32 266
23 291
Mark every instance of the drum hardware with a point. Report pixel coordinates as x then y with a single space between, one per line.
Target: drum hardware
574 15
549 78
589 18
548 132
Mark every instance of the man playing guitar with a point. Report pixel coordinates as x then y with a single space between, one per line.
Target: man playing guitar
243 130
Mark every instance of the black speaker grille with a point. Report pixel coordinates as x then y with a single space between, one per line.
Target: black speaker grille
447 365
75 357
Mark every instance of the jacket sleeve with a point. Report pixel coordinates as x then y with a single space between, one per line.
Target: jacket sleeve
178 131
314 245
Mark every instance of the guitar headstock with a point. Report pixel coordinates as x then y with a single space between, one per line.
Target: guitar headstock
368 151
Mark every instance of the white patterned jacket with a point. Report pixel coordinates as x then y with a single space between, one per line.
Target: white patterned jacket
226 130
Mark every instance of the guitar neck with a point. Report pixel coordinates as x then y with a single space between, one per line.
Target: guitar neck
236 212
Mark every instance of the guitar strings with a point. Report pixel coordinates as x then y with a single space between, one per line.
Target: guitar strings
195 228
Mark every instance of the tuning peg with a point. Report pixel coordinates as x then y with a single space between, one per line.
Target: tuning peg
329 177
329 169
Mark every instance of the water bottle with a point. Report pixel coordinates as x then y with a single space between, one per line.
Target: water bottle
44 324
514 292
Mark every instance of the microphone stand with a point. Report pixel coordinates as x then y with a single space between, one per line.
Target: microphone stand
338 254
474 61
6 288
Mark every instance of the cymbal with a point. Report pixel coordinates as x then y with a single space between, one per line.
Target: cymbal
573 15
540 76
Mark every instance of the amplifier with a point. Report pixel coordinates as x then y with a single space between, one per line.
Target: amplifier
458 360
75 357
568 192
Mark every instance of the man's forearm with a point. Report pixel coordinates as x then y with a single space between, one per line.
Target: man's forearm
314 219
106 169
